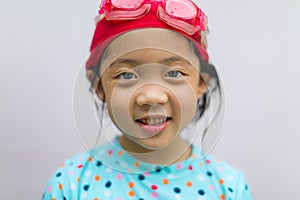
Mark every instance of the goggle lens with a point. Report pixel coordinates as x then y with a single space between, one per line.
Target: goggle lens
181 9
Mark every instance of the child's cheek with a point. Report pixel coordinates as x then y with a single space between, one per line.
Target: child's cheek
187 102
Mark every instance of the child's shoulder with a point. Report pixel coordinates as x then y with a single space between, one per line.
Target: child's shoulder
78 163
72 167
216 167
222 170
220 165
229 177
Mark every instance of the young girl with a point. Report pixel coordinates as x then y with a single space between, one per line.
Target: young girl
149 68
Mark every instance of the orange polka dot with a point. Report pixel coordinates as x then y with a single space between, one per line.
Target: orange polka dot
131 184
78 179
130 170
53 199
120 153
97 178
96 199
222 197
90 159
60 186
165 181
189 184
131 193
137 164
221 181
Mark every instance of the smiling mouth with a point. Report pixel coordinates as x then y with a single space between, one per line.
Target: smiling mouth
153 124
153 120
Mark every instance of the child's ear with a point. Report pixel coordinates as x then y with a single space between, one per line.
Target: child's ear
96 84
100 91
202 88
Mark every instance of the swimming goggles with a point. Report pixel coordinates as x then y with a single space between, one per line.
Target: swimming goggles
180 14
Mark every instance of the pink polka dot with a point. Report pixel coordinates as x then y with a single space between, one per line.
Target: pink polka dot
207 161
147 174
154 195
179 166
118 199
109 152
220 169
211 187
119 176
71 173
190 167
49 189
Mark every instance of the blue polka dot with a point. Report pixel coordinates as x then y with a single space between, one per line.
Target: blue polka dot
230 189
86 187
108 184
141 177
177 190
201 192
209 173
246 187
99 163
158 169
58 174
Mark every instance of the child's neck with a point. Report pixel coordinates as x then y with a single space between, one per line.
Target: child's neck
176 151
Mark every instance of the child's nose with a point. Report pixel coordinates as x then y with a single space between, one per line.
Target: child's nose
151 94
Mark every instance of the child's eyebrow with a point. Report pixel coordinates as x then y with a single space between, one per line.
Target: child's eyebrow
133 62
174 59
130 62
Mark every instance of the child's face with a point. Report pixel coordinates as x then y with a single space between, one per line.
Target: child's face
151 93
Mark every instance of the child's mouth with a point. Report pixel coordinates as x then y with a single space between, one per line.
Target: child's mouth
153 124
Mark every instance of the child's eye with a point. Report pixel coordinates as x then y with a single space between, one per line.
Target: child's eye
173 74
127 76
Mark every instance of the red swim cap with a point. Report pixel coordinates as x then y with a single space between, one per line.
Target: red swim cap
107 30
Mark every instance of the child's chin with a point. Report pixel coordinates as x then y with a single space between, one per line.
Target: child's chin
152 145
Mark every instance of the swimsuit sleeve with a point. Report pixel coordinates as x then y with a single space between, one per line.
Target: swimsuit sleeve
54 190
59 186
243 190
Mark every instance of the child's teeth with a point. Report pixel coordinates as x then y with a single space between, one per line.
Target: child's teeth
150 121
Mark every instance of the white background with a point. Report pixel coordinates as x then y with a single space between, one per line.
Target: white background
254 43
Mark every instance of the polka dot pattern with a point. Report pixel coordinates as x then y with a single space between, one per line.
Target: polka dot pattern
201 192
108 184
88 178
141 177
177 190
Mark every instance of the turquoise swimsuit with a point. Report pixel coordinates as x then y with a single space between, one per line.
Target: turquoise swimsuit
119 176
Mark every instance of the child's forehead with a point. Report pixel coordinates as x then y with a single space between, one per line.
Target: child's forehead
145 40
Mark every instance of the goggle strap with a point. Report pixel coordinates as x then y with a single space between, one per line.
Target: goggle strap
203 41
128 15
